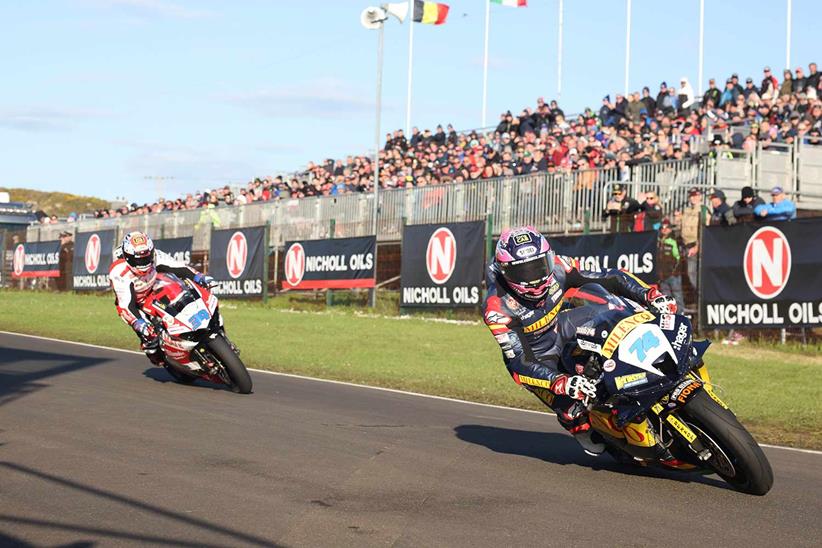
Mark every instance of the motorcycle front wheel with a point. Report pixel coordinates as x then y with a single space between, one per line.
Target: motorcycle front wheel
736 457
231 362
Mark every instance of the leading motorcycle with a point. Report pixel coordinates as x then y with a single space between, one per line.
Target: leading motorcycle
655 402
192 336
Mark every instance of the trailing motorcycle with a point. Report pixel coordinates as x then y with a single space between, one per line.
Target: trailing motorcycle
192 337
655 402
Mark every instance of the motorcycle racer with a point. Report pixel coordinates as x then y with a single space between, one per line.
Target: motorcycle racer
529 317
132 278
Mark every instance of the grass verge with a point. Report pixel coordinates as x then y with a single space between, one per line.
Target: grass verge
776 394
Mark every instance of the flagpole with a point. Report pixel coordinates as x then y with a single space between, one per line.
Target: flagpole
559 53
410 77
701 44
788 38
485 63
628 43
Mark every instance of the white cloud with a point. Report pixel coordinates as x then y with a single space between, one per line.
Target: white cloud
315 99
163 8
46 118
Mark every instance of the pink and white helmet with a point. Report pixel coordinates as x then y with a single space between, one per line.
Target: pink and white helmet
525 259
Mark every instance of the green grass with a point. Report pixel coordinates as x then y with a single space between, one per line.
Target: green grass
776 394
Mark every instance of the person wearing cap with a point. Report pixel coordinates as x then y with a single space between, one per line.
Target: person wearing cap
769 83
799 82
669 263
729 94
780 208
743 209
812 80
621 209
650 213
749 88
712 94
694 216
721 213
65 259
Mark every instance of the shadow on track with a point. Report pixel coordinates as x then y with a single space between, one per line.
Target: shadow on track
237 537
160 375
21 370
564 450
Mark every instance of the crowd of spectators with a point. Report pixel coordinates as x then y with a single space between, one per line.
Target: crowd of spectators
623 132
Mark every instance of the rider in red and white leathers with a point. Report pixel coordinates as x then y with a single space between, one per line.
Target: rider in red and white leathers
132 278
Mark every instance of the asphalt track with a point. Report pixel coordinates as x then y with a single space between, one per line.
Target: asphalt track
98 449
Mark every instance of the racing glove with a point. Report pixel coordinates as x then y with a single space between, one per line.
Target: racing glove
145 331
661 304
203 280
576 387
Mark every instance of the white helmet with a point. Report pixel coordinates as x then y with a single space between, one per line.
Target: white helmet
138 251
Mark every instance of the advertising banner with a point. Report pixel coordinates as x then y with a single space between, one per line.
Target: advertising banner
634 252
178 248
342 263
237 261
36 260
92 259
442 264
762 275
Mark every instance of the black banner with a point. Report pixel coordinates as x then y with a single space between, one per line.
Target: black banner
634 252
92 259
343 263
442 264
762 275
237 260
36 260
178 248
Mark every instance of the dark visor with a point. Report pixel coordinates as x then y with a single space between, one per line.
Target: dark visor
531 271
141 261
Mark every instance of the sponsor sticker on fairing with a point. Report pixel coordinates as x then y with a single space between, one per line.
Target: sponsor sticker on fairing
627 381
667 322
609 365
681 336
586 331
588 345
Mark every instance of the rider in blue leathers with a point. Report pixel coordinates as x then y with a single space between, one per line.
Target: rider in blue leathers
528 315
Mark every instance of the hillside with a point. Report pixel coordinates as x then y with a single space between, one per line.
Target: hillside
55 203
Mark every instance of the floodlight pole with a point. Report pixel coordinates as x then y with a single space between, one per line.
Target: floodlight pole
372 297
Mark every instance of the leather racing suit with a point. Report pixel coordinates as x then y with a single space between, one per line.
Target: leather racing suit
131 289
532 334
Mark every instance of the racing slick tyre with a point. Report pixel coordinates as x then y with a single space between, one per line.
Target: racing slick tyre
233 365
179 376
736 457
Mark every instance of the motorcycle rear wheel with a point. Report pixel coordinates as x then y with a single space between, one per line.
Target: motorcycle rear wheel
233 365
749 471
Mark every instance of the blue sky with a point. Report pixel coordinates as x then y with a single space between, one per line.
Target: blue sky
100 94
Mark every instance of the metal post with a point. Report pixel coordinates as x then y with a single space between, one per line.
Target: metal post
788 36
410 78
701 44
380 43
485 62
329 294
627 43
489 241
559 52
276 266
266 255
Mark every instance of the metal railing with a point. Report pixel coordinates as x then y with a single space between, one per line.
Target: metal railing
555 203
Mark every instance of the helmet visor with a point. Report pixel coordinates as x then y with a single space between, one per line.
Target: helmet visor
140 261
532 271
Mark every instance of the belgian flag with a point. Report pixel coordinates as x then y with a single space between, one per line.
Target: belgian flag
430 13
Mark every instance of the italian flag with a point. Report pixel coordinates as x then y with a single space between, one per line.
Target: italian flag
430 13
511 3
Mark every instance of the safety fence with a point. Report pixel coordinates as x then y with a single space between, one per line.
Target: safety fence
562 203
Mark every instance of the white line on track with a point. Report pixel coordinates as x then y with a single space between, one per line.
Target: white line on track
393 390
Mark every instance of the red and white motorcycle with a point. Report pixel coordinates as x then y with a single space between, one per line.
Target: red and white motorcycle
192 337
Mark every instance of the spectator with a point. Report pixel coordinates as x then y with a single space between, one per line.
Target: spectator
650 213
663 92
669 264
686 94
749 88
694 216
769 83
648 101
735 81
787 83
729 95
780 208
712 95
620 209
812 81
721 212
65 260
799 82
743 210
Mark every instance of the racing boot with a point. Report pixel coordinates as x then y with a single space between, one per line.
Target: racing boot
152 350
